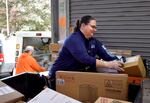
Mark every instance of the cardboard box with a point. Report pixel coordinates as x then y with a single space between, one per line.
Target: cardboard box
50 96
54 56
55 47
109 100
126 53
134 66
9 95
87 87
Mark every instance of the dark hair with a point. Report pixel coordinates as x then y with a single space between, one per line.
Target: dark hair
77 27
85 19
27 51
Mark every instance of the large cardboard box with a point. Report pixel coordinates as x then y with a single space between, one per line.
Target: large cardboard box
87 87
134 66
50 96
109 100
9 95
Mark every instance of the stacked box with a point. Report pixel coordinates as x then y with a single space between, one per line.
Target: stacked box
134 66
109 100
54 49
126 53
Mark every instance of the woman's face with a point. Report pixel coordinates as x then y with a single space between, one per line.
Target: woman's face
89 29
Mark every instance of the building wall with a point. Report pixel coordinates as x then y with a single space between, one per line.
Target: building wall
121 24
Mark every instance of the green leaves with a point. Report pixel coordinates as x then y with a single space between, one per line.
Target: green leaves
27 15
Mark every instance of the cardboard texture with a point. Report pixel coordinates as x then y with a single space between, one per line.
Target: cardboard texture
87 87
134 66
109 100
55 47
9 95
126 53
51 96
54 56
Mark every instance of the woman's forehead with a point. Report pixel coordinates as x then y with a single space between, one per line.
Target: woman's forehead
93 22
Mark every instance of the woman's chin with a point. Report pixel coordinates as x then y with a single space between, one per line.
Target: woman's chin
92 35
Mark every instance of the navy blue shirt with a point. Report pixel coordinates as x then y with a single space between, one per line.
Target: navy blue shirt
79 54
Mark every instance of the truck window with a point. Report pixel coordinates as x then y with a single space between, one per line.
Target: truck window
41 46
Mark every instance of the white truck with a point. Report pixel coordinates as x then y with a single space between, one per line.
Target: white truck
40 40
7 54
12 47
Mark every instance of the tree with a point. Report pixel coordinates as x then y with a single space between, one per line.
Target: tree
2 15
28 15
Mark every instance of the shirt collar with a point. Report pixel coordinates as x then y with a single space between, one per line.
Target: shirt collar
84 36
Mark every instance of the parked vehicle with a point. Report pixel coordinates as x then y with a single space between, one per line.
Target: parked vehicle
7 55
39 40
1 53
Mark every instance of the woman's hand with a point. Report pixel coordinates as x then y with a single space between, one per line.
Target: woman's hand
115 65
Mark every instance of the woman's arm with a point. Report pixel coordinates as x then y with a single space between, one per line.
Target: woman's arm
109 64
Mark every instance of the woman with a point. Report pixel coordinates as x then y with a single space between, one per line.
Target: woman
80 51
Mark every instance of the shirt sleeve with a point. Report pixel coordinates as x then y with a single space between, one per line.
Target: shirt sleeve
76 47
35 65
104 53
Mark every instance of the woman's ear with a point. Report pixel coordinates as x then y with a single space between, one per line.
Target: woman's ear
82 25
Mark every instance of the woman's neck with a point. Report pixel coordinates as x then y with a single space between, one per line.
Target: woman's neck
84 34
